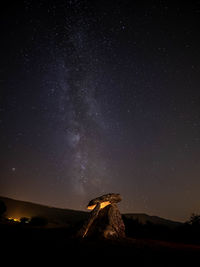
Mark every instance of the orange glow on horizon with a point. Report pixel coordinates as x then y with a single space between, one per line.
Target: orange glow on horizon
14 219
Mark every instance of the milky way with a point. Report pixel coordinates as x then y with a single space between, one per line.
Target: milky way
84 123
77 80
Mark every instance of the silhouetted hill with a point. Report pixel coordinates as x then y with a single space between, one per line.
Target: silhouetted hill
57 216
144 218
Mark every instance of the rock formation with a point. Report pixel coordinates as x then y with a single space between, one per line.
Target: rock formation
105 219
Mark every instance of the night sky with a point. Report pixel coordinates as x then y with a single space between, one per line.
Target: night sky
100 97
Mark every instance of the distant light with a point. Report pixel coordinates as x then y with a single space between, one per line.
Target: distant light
14 219
13 169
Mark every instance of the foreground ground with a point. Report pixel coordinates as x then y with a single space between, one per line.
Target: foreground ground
41 246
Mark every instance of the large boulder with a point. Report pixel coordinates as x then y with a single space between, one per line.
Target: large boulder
105 219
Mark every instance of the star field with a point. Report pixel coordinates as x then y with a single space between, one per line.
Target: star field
100 97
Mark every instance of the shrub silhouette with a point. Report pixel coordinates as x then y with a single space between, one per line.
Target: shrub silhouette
24 220
194 220
38 221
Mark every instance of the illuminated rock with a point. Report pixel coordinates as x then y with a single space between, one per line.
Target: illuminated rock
104 200
105 219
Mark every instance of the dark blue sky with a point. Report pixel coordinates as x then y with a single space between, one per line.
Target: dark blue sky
99 97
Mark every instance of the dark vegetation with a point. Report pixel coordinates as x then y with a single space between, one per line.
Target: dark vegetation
188 232
146 243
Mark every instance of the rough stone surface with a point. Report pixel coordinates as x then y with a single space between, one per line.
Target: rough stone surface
106 222
112 198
